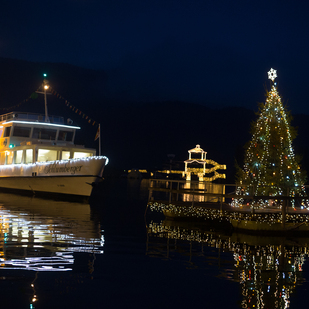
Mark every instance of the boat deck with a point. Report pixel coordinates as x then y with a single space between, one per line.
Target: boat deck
23 116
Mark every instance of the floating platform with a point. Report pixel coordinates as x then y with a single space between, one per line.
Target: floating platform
178 200
261 221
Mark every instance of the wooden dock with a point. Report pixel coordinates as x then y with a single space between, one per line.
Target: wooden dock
203 202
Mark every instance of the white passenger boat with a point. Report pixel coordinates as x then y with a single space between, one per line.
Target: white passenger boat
38 155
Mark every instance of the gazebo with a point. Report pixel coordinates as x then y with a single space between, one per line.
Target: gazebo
197 162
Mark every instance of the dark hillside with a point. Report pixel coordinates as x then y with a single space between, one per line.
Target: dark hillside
136 135
143 135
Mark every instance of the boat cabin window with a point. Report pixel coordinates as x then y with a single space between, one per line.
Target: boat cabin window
18 156
9 157
2 158
21 131
66 136
29 156
41 133
79 154
7 132
65 155
47 155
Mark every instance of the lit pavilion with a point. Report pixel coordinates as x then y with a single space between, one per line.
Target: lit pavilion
196 165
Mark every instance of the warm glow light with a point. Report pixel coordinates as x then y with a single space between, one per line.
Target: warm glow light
79 154
47 155
201 171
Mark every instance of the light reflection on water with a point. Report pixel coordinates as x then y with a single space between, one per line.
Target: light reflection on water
175 262
196 189
268 269
42 235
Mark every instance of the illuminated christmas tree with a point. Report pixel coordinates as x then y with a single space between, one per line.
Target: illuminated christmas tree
270 165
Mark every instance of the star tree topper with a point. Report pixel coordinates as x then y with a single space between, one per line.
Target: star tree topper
272 74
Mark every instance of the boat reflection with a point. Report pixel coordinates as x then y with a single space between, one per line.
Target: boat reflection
43 235
267 268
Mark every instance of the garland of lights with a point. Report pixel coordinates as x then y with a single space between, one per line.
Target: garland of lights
198 212
213 169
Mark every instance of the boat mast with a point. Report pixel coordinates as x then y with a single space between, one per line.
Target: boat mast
45 87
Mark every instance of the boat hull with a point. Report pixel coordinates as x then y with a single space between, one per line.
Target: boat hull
74 178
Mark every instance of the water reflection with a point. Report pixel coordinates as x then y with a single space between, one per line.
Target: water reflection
43 235
268 269
186 191
203 187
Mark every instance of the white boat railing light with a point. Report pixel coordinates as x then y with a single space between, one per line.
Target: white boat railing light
56 161
42 123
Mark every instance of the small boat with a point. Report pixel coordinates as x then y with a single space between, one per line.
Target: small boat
38 156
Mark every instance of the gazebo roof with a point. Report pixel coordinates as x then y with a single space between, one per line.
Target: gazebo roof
197 149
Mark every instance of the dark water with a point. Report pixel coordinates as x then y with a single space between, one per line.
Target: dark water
109 255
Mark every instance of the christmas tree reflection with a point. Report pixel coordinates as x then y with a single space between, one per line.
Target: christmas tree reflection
268 274
267 268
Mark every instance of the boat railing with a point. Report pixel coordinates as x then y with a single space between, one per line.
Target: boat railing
30 117
201 191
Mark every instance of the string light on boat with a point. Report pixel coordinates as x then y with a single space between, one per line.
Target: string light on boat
33 167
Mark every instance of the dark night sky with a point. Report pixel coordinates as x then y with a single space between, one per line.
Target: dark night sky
215 53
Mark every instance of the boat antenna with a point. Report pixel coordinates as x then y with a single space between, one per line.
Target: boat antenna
45 86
